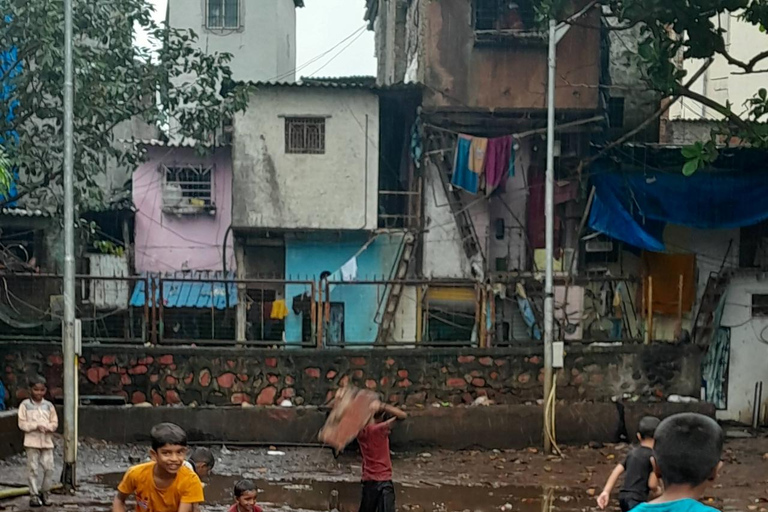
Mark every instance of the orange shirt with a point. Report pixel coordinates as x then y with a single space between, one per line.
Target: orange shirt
140 481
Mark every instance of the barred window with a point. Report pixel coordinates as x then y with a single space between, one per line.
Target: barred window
187 186
223 14
305 135
518 15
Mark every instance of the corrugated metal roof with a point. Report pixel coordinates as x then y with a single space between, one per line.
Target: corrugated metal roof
24 212
170 144
338 84
191 292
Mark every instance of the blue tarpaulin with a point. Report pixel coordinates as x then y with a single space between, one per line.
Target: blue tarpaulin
10 67
191 292
635 206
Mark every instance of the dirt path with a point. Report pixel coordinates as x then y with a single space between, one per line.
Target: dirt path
433 480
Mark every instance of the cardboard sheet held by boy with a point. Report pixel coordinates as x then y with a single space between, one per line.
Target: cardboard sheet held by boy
352 411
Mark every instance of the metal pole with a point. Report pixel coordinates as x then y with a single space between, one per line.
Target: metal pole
68 329
550 225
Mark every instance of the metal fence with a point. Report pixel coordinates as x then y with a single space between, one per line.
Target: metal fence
32 306
305 313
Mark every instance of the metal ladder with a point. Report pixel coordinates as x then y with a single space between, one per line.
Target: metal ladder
469 238
396 289
703 325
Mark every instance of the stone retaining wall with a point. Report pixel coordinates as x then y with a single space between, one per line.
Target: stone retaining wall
232 376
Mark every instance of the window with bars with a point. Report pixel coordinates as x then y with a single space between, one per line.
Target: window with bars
497 21
223 14
305 135
187 187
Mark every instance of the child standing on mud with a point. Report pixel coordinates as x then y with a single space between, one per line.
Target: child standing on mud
639 480
686 458
378 490
38 421
165 484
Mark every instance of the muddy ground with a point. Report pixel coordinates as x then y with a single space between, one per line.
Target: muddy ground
312 479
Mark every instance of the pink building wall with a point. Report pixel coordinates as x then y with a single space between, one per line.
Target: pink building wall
166 242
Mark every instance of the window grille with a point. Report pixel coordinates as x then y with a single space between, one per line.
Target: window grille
305 135
187 186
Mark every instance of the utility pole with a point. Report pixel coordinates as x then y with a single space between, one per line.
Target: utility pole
68 348
549 211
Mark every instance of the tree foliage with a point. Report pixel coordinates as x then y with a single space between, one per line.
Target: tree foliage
115 81
674 30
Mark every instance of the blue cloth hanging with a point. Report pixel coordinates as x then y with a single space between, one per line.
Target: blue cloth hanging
462 176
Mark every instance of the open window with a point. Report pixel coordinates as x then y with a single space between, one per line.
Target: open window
500 21
187 189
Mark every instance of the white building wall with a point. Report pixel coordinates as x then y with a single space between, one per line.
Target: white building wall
721 81
334 190
749 348
406 322
263 48
443 253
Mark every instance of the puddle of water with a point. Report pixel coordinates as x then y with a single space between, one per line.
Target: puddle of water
315 495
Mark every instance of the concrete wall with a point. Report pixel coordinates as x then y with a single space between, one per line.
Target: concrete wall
510 426
749 348
264 48
310 256
626 82
461 73
11 438
443 252
219 376
167 242
335 190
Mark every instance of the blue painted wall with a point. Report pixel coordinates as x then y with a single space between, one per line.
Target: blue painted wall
308 257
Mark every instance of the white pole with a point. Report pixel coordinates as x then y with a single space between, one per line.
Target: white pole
550 225
68 327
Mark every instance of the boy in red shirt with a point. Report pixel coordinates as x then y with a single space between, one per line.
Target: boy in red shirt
245 497
378 490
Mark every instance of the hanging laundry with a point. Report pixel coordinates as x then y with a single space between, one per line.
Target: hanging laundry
529 318
477 151
462 177
497 162
349 270
416 146
279 310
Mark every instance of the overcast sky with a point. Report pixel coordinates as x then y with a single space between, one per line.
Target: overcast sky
321 26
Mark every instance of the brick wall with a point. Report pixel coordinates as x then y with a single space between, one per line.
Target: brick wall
231 376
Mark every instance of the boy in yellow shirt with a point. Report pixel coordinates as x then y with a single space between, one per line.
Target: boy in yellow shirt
166 484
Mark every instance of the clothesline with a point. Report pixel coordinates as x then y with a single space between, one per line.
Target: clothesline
527 133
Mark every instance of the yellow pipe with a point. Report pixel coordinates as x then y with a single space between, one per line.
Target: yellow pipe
19 491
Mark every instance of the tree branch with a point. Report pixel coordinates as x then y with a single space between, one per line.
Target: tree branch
721 109
748 67
637 129
26 191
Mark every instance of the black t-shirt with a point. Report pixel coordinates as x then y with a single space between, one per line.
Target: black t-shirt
637 470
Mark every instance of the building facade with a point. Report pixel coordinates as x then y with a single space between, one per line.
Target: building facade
259 34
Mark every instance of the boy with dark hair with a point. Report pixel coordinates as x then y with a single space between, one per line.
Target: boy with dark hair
165 484
686 458
639 481
245 497
38 421
201 462
378 490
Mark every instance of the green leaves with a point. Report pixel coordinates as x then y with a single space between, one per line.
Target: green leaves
117 86
6 170
698 156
